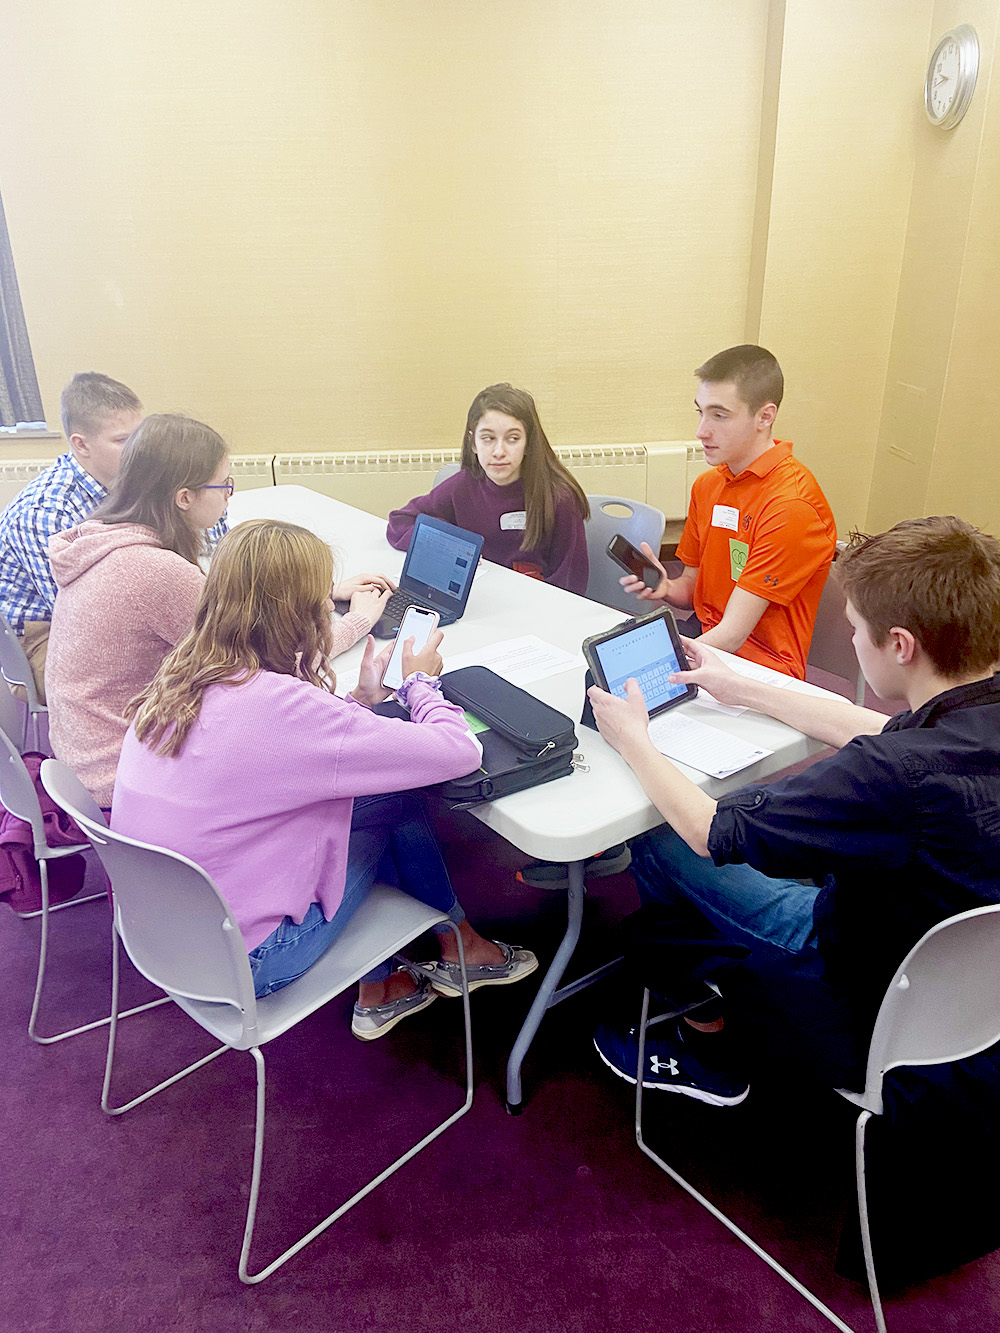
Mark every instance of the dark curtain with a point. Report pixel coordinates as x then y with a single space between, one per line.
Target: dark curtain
19 396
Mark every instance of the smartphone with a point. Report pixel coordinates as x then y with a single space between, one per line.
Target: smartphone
632 560
418 625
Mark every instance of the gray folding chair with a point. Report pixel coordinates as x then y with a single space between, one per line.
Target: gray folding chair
831 648
181 935
18 795
16 670
942 1005
636 521
443 473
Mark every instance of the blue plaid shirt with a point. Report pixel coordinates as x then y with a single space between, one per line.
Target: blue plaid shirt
59 498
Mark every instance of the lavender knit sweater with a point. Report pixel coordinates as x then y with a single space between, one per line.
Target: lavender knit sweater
262 792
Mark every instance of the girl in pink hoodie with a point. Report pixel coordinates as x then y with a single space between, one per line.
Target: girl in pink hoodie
129 582
242 758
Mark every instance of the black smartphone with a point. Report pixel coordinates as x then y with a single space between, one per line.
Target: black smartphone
632 560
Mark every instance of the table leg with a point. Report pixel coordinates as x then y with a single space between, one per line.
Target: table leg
543 1000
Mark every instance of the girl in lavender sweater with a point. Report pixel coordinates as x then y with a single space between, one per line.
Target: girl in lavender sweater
513 489
241 757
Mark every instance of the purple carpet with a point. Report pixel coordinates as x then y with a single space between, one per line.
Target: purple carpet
548 1221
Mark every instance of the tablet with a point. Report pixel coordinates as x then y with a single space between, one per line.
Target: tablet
647 649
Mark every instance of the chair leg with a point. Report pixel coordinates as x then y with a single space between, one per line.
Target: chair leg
866 1234
112 1022
707 1204
258 1150
45 912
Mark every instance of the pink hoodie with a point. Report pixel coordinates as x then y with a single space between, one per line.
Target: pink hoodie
123 603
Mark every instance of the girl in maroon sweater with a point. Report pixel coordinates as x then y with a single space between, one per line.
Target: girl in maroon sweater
513 489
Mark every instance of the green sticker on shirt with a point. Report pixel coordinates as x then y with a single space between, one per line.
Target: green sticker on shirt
739 553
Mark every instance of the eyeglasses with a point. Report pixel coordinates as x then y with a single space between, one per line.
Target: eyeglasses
228 486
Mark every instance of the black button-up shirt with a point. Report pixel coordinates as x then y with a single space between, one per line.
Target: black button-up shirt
902 829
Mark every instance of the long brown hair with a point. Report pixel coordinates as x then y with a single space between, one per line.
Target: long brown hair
163 455
264 607
542 474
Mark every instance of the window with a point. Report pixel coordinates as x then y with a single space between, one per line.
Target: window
19 396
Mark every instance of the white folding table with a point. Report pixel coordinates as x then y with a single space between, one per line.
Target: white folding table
565 821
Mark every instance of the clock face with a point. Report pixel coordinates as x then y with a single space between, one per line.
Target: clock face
951 77
944 79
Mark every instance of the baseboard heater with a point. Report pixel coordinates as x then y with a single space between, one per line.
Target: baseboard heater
659 472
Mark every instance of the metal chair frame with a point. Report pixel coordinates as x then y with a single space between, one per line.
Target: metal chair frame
921 1021
195 952
17 793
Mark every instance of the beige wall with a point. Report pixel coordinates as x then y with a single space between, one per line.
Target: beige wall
340 220
851 81
937 447
327 223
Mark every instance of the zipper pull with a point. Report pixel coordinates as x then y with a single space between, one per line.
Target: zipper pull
579 763
551 745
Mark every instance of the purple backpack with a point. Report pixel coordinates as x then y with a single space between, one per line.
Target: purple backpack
20 880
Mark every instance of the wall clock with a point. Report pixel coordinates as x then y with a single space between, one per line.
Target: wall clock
951 77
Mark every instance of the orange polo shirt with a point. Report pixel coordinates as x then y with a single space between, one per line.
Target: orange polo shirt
769 529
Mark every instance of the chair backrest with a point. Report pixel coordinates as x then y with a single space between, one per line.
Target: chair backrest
14 666
443 473
943 1004
831 648
17 792
11 715
636 521
175 925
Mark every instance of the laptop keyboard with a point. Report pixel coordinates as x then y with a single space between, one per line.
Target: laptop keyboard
395 608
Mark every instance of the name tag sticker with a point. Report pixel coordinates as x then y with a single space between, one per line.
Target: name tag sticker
726 516
514 521
738 554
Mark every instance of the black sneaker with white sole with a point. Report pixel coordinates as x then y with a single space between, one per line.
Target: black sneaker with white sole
671 1063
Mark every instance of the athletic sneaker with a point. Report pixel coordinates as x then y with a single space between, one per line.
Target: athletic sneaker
375 1020
446 978
554 875
672 1065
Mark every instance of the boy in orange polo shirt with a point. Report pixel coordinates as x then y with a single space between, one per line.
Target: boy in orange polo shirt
759 537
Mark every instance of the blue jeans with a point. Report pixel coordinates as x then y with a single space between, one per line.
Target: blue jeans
745 906
390 840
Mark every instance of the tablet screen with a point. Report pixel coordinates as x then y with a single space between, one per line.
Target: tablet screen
647 654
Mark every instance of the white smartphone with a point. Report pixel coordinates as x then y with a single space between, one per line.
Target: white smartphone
418 625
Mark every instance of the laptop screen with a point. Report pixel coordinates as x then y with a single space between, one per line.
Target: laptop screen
440 563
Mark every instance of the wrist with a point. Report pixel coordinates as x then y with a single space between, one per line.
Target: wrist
416 678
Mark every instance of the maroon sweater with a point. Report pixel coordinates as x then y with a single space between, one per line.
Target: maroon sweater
480 505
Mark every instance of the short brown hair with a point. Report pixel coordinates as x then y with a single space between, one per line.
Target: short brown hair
753 370
164 454
90 398
937 577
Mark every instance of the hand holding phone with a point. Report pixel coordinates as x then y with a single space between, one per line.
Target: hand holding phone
646 574
417 625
